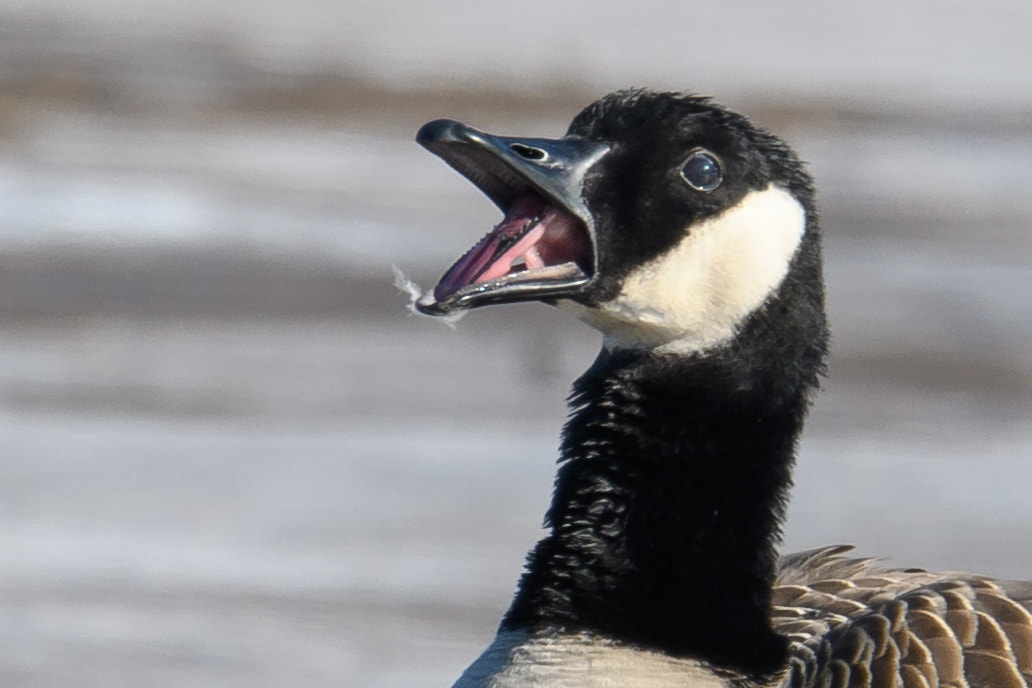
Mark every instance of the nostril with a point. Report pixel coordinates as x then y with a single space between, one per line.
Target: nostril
528 152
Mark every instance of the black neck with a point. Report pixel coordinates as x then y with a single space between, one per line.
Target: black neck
668 505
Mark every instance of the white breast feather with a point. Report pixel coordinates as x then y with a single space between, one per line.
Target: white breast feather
517 660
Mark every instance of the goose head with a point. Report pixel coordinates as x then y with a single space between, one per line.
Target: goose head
664 220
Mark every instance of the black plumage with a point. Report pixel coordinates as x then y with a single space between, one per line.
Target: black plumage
676 461
668 504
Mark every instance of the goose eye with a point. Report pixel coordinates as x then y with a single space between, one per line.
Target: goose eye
702 171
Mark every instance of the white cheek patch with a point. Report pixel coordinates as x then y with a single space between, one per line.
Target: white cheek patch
695 296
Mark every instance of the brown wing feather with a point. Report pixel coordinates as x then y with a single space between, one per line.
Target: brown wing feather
855 624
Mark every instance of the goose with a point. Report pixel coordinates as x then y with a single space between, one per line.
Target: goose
689 237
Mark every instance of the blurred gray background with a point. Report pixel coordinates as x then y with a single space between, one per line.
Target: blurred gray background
229 456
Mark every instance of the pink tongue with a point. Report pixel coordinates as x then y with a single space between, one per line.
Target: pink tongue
493 256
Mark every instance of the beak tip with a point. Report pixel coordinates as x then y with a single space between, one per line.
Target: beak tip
440 131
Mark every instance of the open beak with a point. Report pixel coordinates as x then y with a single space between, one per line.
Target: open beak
545 247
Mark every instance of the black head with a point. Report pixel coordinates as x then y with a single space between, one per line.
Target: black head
663 219
642 193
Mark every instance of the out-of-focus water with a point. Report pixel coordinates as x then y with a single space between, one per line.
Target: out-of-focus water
230 456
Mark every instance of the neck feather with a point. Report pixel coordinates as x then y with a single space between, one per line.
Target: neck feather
668 506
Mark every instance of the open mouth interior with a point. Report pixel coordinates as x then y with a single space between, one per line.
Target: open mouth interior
537 241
